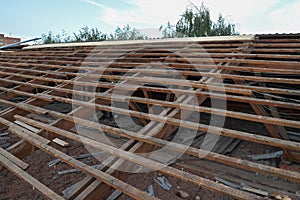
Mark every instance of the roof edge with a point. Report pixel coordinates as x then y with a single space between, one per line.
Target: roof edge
108 43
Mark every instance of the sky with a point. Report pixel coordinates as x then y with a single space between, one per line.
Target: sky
31 18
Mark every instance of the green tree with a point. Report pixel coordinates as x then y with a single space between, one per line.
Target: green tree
50 38
168 30
87 34
127 33
196 22
223 28
59 38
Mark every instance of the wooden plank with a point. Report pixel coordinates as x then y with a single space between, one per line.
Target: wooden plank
48 193
32 129
61 142
14 159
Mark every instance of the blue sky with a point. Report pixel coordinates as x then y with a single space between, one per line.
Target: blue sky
31 18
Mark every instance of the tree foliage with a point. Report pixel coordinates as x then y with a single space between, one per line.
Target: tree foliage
196 22
87 34
223 28
168 30
127 33
59 38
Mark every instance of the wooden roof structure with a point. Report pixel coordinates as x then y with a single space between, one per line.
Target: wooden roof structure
259 71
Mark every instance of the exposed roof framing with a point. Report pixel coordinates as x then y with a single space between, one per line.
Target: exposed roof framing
182 76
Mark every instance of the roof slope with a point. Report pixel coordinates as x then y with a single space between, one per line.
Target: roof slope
158 90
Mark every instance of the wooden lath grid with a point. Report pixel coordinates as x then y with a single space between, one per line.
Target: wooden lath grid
263 67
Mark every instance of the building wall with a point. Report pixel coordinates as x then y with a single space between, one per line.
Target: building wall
1 39
8 40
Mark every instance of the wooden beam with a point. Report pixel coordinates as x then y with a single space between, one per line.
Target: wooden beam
61 142
48 193
14 159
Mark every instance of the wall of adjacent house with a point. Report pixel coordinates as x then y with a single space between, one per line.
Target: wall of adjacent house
8 40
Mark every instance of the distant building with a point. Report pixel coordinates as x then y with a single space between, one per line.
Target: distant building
8 40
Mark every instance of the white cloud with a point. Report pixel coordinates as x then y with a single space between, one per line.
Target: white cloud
286 18
146 13
254 16
239 9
